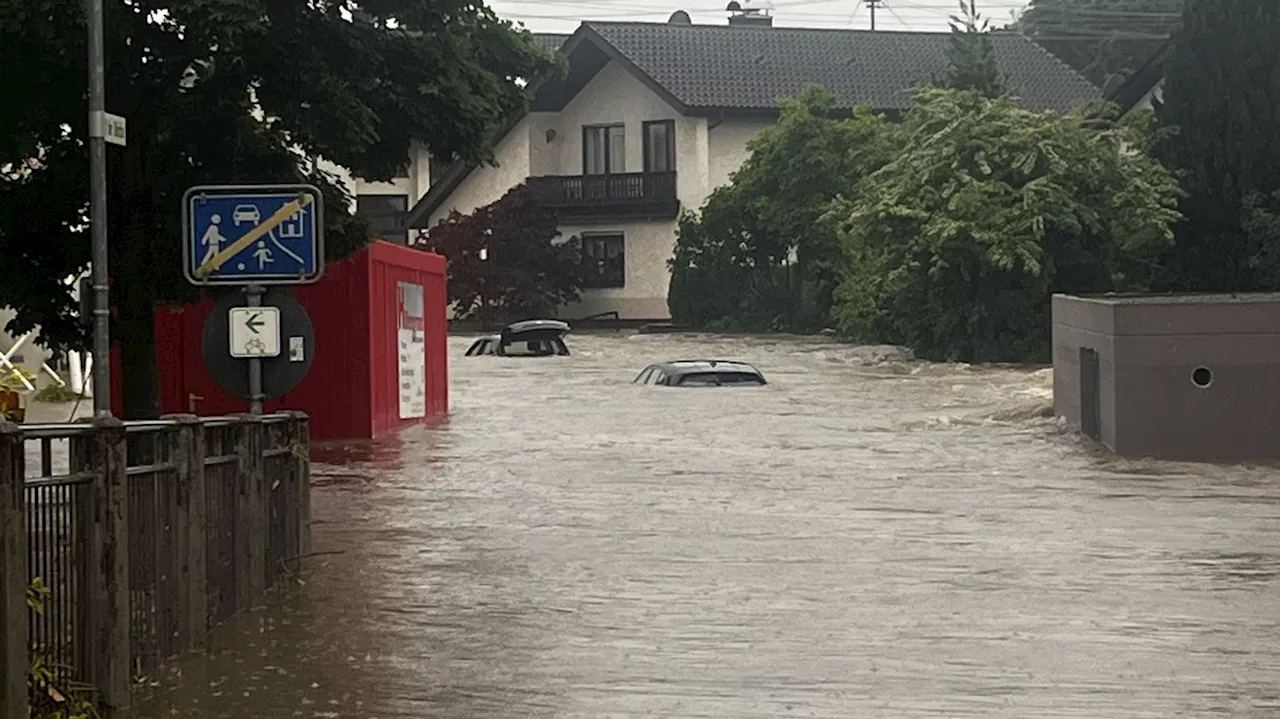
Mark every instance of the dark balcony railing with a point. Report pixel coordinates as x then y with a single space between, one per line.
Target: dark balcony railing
632 194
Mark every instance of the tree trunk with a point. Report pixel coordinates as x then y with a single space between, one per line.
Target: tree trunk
141 380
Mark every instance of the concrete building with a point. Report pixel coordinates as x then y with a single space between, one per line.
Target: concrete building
651 117
1173 376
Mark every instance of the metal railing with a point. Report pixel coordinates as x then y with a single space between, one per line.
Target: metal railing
146 535
640 191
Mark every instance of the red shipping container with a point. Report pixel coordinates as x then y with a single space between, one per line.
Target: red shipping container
358 311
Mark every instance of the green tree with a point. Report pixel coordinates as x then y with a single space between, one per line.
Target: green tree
956 244
757 257
225 92
504 258
1105 40
972 58
1220 107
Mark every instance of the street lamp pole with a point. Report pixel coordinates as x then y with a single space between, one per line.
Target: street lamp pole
98 213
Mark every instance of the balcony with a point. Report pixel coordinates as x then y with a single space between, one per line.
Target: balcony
627 196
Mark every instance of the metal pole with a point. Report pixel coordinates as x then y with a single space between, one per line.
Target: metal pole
98 214
254 293
872 4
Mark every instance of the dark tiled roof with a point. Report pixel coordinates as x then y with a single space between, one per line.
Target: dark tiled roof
549 40
735 67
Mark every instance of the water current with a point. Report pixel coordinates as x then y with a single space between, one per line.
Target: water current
852 540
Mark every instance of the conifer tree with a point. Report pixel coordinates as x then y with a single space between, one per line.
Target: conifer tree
1219 105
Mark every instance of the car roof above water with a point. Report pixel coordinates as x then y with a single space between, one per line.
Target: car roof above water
679 367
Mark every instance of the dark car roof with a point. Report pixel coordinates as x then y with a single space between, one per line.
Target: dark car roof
682 367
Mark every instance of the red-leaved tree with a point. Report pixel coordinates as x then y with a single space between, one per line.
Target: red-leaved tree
527 271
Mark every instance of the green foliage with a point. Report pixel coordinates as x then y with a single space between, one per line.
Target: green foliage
1224 141
56 393
226 92
1261 224
525 273
1105 40
972 58
955 245
12 377
48 694
757 257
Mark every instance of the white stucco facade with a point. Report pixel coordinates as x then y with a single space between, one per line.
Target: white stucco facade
413 184
707 151
1154 95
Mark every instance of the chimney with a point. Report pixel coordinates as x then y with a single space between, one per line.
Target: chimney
752 17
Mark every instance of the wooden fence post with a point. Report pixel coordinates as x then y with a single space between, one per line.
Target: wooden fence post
251 513
14 575
302 457
191 538
107 550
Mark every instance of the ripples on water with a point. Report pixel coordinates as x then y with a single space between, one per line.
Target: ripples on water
904 540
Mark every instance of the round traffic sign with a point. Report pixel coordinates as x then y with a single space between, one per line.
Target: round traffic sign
280 373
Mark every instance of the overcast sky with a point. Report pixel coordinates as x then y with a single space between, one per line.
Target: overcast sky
923 15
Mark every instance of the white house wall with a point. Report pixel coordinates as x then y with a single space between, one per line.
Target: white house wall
414 184
648 247
489 182
1154 95
728 149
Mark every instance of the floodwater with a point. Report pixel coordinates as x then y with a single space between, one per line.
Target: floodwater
901 540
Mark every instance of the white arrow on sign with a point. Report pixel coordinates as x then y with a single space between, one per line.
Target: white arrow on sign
255 332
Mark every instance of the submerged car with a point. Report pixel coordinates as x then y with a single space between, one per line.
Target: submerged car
701 373
530 338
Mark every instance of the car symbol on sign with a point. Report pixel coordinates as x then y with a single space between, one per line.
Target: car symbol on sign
246 213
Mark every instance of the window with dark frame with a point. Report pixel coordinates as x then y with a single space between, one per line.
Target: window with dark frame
660 146
387 216
604 149
604 259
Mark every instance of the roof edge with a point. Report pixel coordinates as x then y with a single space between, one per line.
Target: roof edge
1141 81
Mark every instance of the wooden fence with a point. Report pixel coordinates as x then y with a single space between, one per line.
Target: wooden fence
147 535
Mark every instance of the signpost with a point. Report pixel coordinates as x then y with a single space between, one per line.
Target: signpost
227 331
255 237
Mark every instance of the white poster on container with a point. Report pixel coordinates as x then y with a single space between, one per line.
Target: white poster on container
413 356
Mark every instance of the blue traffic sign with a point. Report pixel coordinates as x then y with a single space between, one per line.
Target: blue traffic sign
253 235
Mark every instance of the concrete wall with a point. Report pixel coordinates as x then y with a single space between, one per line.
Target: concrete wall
1156 344
1084 322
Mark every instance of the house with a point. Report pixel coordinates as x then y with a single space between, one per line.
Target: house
385 205
651 117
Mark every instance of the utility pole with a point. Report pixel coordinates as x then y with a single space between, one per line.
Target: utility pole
98 213
871 5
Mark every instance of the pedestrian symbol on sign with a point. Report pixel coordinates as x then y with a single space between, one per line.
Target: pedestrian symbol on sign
252 235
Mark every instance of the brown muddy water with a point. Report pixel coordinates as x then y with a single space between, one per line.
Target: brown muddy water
905 540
